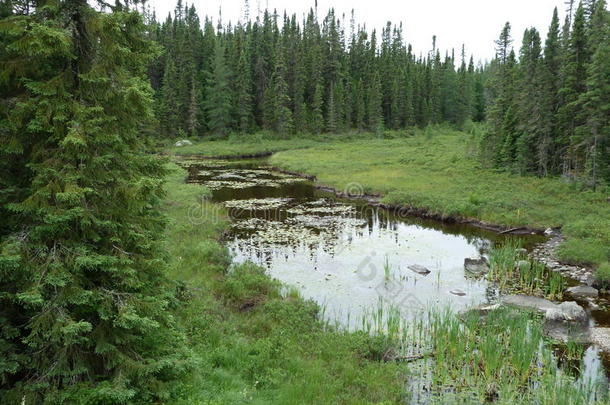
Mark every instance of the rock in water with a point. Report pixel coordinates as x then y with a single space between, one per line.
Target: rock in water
184 142
419 269
583 291
528 302
477 266
457 292
481 310
566 312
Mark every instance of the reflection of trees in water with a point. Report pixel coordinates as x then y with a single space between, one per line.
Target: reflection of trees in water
316 231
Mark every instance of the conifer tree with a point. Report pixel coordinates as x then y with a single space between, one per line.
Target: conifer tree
243 91
596 100
574 72
374 111
316 120
531 114
464 93
551 82
83 293
218 94
277 113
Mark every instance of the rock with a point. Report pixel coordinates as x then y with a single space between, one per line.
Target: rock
419 269
566 312
476 266
184 142
528 302
601 337
457 292
521 252
549 231
582 291
567 331
523 265
481 310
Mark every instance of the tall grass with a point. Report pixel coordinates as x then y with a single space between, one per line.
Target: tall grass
512 271
502 358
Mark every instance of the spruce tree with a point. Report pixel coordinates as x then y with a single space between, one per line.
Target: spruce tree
218 94
596 100
243 90
551 82
83 295
374 110
277 112
530 103
570 115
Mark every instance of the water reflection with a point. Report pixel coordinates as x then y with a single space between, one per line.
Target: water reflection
344 253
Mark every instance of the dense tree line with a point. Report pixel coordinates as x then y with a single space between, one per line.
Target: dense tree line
549 108
83 293
303 76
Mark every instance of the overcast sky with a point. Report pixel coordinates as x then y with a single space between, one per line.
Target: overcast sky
476 23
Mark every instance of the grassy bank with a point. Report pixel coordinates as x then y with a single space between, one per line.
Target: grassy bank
250 145
252 342
438 169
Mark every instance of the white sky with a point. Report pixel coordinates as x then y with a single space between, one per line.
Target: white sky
477 23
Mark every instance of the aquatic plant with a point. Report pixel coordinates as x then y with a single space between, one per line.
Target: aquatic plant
512 272
387 269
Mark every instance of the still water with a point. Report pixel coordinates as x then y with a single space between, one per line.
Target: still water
344 254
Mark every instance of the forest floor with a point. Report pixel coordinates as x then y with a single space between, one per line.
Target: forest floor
254 341
438 169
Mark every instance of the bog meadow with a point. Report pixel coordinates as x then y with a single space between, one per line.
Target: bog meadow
290 208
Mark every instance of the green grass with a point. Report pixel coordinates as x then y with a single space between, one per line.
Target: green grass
439 170
513 272
249 145
252 341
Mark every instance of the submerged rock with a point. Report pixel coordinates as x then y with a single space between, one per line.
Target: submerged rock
477 266
457 292
184 142
528 302
419 269
582 291
480 310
